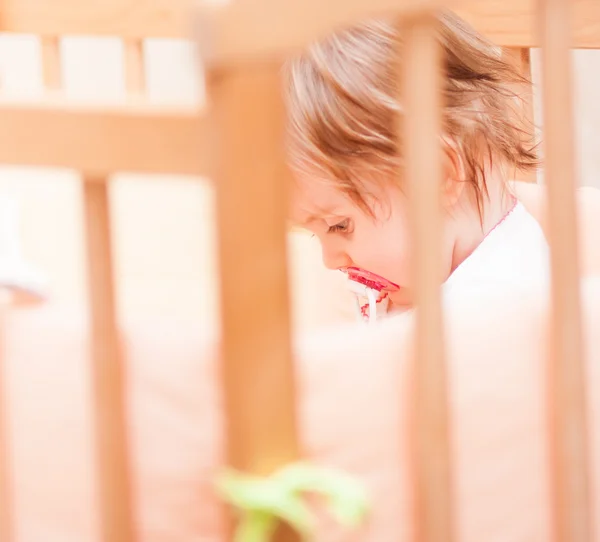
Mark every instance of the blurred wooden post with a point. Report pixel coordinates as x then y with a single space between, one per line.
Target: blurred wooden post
135 76
421 96
51 69
567 391
114 473
520 57
51 63
251 193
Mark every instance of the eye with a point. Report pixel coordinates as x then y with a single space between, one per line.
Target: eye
340 227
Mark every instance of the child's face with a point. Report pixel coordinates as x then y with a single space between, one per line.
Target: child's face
350 237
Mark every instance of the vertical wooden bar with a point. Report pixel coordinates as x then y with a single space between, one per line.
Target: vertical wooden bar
520 57
7 524
524 60
114 475
135 76
567 390
51 64
430 423
251 196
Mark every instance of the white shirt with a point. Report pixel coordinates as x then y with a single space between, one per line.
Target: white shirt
514 254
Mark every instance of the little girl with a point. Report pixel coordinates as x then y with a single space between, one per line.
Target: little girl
342 97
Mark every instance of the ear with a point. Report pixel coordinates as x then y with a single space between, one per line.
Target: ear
453 183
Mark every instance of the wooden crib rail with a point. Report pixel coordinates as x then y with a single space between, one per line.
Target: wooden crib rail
124 18
508 23
514 23
239 144
105 140
242 32
432 476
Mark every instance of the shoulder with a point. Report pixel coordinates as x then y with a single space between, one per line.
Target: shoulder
533 198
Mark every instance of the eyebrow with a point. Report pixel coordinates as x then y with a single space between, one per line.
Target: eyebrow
324 213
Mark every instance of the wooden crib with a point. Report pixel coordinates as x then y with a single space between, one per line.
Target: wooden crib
236 141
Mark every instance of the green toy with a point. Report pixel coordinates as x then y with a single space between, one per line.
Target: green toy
264 501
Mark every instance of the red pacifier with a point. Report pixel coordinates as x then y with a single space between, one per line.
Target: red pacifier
370 286
370 280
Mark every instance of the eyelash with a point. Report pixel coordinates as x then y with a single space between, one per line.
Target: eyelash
342 227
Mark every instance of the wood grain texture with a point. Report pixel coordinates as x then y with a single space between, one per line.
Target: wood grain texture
108 372
569 444
430 417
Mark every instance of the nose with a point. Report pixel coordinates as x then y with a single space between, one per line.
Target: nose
335 258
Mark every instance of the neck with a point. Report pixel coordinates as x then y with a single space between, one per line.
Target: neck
471 228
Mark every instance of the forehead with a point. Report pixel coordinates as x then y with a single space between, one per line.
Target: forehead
312 199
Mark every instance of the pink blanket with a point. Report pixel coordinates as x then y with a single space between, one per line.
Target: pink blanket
352 398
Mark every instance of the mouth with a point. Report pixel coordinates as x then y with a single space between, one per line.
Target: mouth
370 280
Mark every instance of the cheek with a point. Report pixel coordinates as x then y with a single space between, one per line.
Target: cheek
390 250
448 239
385 250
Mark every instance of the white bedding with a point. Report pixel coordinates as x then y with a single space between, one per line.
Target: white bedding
352 398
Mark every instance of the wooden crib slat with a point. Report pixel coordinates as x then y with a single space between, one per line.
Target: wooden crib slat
568 415
135 77
430 431
51 62
521 58
251 196
114 473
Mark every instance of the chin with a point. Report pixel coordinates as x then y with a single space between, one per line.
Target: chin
400 299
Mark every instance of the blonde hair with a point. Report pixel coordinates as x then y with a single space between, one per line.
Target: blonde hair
342 98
